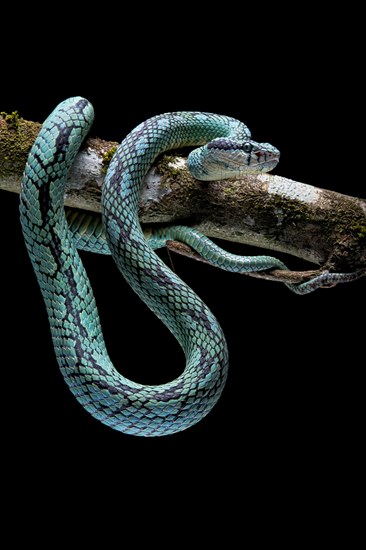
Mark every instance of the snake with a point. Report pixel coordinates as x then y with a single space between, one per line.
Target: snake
223 148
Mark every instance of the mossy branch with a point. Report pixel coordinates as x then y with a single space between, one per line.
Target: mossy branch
317 225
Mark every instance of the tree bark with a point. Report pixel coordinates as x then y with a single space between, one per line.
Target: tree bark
272 212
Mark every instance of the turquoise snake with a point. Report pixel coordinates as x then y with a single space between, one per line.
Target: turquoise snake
225 150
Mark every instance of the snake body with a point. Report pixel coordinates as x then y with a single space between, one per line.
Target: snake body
226 150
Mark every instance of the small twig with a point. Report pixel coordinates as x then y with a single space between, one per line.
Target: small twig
289 277
171 259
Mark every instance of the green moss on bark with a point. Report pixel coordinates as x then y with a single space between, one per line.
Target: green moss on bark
107 157
16 138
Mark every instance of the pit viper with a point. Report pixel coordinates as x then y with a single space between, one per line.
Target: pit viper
225 149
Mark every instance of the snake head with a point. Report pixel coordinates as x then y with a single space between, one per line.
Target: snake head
224 158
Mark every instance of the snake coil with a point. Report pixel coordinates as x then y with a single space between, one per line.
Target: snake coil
226 150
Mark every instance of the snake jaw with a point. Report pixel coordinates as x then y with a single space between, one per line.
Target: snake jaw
225 159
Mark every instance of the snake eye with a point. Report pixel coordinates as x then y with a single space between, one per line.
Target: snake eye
247 147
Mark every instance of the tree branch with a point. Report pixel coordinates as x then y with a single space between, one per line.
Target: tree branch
272 212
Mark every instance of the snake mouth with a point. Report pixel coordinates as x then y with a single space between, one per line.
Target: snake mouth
238 166
265 160
266 166
261 158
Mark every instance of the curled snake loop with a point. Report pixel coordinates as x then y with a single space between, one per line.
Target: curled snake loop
225 150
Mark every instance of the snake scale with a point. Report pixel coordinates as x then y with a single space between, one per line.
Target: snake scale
225 150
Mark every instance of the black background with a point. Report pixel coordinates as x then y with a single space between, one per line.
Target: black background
292 404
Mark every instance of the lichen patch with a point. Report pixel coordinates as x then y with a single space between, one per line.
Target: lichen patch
293 190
